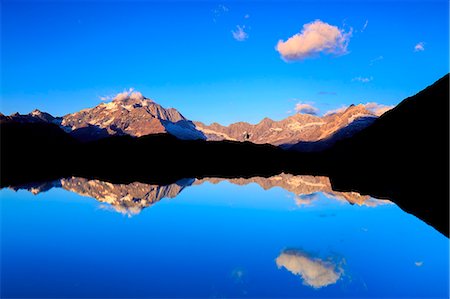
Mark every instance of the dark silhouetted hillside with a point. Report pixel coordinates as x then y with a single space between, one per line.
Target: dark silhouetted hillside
403 155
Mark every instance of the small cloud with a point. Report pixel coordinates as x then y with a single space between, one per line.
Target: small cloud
247 16
219 11
418 264
105 98
363 79
239 34
315 38
336 111
377 109
327 93
419 47
306 199
376 59
238 274
365 26
372 107
315 272
306 108
125 95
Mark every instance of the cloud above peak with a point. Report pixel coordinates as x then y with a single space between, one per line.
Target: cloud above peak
125 95
374 108
305 108
377 109
315 38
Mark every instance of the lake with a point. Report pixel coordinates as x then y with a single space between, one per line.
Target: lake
283 236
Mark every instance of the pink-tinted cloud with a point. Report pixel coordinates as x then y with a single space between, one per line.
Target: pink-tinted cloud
372 107
363 79
239 34
336 111
316 37
419 47
377 109
315 272
306 108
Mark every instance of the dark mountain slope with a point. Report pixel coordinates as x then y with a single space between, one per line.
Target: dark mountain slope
403 155
42 151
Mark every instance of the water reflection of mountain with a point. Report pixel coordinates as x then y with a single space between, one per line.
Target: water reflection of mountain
132 198
303 186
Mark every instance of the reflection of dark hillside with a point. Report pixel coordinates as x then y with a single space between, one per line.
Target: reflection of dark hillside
402 156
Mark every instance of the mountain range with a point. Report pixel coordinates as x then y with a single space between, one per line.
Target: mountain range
134 115
401 155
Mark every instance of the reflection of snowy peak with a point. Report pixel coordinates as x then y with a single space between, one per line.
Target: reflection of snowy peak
127 199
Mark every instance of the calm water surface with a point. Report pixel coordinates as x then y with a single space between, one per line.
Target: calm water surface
285 236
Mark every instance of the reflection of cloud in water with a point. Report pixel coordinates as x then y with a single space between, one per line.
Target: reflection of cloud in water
315 272
306 199
238 275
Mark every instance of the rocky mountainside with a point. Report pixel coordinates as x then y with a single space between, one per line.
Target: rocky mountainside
132 115
291 130
129 114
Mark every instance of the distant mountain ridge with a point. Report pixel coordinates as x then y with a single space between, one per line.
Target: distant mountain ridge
291 130
134 115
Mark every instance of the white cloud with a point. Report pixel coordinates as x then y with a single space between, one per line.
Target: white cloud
239 34
105 98
419 47
125 95
365 26
247 16
306 108
376 59
377 109
363 79
418 264
316 37
219 11
372 107
136 95
337 110
315 272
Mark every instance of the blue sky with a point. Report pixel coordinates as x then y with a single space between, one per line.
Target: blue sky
61 57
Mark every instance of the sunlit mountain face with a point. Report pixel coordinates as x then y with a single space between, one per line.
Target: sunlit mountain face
131 199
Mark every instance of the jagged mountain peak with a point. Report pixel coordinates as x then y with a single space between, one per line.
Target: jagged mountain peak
130 114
